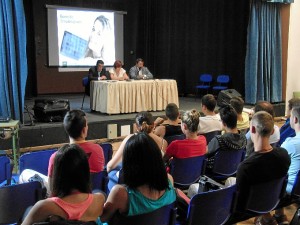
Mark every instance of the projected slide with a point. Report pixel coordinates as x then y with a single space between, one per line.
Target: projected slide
84 37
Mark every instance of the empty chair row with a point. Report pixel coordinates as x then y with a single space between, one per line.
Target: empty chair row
206 83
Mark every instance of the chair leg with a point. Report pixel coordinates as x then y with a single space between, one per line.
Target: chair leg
82 101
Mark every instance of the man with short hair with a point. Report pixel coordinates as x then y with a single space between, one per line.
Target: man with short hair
97 72
267 163
211 121
286 130
171 125
242 118
76 126
139 71
292 145
274 137
232 139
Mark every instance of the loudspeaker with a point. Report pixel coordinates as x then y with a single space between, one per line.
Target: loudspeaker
50 110
225 96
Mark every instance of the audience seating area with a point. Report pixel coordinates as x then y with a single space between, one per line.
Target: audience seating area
210 208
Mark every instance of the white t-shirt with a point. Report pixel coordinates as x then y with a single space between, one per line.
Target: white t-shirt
120 74
209 123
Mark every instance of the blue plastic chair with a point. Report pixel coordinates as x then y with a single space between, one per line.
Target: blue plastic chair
5 171
100 180
165 215
204 83
107 151
15 199
226 163
264 197
169 139
186 171
85 83
211 135
37 161
222 81
211 208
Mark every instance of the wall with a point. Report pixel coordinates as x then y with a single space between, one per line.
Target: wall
177 39
293 68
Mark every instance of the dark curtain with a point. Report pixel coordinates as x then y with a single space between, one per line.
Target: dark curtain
263 69
13 59
182 39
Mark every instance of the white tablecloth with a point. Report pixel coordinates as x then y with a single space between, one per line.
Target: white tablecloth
132 96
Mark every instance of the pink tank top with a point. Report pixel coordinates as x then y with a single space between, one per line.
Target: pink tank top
74 210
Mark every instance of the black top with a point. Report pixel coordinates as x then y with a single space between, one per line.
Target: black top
259 168
172 130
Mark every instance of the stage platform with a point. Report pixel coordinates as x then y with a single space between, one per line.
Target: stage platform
40 134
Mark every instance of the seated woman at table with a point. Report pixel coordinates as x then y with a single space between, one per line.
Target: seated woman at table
117 72
71 193
147 185
144 124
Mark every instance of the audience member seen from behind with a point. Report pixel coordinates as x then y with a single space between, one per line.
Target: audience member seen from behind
232 139
292 145
211 121
193 145
117 72
242 117
286 130
171 125
71 194
147 185
76 126
274 138
97 72
265 164
139 71
144 123
98 39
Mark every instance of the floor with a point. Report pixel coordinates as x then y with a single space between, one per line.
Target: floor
289 211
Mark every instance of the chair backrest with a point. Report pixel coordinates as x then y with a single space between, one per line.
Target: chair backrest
85 81
165 215
206 78
37 161
186 171
5 170
15 199
211 135
223 79
227 161
169 139
211 208
98 180
264 197
107 151
296 186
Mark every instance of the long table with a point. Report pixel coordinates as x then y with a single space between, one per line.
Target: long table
114 97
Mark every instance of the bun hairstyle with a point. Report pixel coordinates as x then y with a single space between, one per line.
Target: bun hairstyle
118 64
144 121
191 119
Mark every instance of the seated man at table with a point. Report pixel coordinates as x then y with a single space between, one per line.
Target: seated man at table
97 72
139 71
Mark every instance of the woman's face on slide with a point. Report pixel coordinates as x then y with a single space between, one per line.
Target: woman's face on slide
96 39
